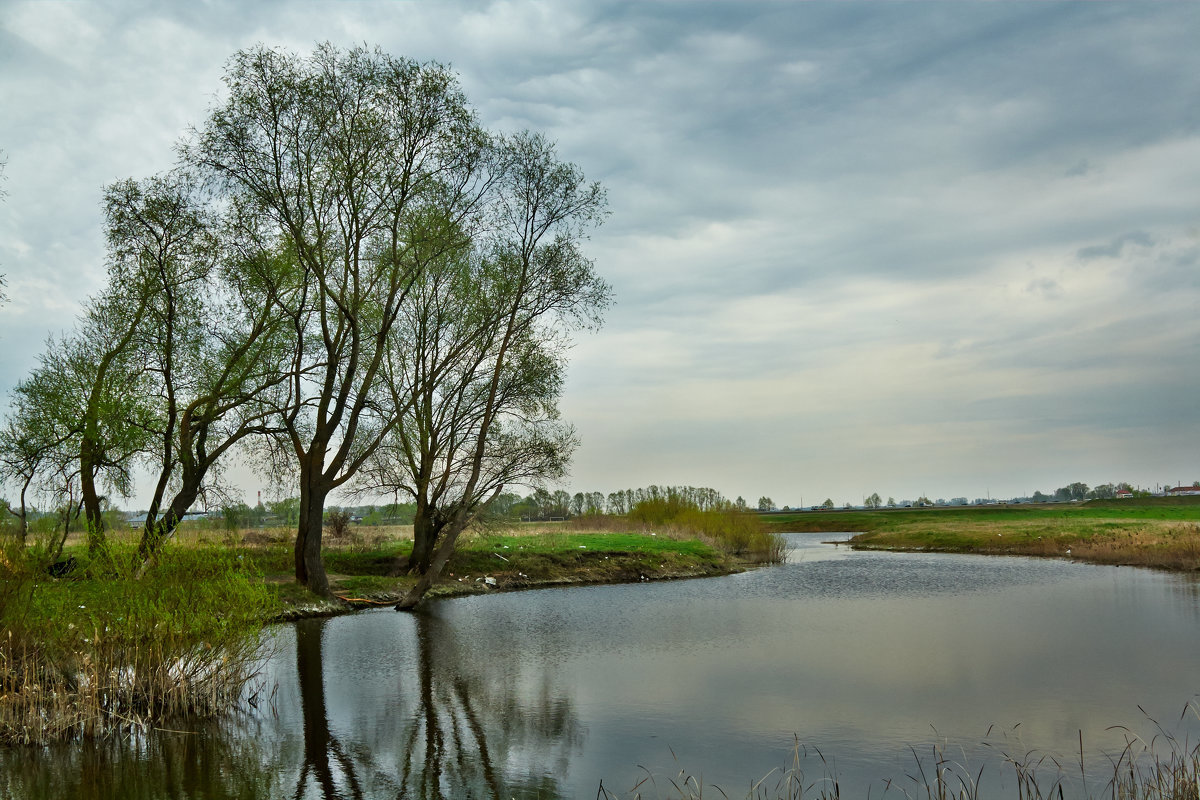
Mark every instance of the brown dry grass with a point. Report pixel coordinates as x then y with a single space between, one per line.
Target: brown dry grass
1162 544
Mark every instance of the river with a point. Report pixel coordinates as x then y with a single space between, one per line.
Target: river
860 663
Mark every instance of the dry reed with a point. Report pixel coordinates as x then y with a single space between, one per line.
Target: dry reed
94 655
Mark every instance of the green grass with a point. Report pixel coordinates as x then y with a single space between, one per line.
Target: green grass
365 572
100 650
1155 508
1154 532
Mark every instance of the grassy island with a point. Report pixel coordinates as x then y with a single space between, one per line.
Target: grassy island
1159 532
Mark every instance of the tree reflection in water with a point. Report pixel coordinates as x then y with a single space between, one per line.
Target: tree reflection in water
206 763
319 744
459 734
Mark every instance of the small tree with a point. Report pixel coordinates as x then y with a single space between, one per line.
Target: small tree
90 395
27 450
828 503
338 523
874 501
766 504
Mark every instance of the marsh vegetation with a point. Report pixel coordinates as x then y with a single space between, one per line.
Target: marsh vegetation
98 652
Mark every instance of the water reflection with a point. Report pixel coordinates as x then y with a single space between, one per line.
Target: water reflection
322 749
455 722
206 763
449 731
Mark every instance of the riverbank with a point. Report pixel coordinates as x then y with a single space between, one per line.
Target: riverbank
1160 533
511 559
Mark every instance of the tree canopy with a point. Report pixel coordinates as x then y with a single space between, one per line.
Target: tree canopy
345 276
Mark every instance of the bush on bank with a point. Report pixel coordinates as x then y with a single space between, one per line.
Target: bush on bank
737 532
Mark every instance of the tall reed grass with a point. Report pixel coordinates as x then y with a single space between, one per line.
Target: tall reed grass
98 651
730 529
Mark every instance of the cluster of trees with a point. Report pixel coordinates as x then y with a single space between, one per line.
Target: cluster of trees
1080 491
345 278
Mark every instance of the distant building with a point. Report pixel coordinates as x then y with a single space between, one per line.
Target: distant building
1123 494
1181 491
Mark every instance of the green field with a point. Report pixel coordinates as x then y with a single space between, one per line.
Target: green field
1162 532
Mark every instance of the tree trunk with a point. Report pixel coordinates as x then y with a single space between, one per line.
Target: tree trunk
310 569
424 538
158 531
92 516
23 515
57 547
444 551
161 529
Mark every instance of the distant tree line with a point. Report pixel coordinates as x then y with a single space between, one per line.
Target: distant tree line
543 504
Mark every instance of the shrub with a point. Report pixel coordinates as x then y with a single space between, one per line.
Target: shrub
337 523
737 532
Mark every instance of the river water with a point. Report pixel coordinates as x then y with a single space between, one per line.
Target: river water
858 663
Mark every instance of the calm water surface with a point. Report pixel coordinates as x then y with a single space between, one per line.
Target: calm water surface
547 693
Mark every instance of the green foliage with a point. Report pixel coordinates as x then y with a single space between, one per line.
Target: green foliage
287 510
660 510
390 514
234 517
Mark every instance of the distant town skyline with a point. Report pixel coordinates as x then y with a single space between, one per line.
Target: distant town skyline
855 247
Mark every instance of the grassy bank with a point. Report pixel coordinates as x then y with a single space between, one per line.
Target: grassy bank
517 557
1162 766
1162 533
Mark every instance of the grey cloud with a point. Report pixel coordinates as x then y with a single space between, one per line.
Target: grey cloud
1046 287
1115 247
1079 169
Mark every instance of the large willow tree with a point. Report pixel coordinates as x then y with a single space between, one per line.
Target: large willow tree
364 167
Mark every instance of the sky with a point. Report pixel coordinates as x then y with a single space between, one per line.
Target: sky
942 249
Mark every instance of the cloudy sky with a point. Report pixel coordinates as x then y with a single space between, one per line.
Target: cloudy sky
912 248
